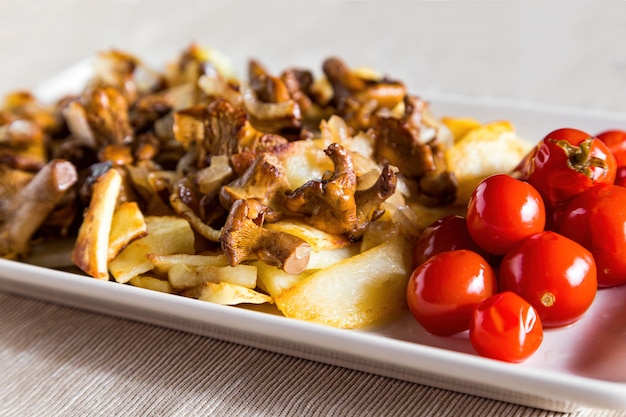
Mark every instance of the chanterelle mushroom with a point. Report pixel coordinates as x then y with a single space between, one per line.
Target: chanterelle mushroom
264 181
244 238
216 129
27 210
268 103
329 204
399 142
369 201
357 98
334 205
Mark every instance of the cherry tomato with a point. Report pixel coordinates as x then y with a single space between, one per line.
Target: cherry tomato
446 234
502 211
443 291
615 140
506 327
620 176
556 275
597 220
566 163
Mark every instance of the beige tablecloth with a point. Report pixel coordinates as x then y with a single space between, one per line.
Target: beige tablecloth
60 361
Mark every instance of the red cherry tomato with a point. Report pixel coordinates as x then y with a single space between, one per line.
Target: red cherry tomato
556 275
444 290
446 234
620 176
597 220
502 211
615 140
506 327
566 163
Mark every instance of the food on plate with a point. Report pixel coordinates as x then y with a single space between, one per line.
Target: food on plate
567 162
615 139
29 200
481 151
506 327
303 191
556 275
444 291
553 240
502 211
446 234
91 250
596 219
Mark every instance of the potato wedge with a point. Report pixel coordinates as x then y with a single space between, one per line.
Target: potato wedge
489 149
127 225
91 251
274 281
355 292
227 294
166 235
459 126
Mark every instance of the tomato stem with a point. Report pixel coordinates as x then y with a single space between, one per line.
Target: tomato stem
548 299
579 157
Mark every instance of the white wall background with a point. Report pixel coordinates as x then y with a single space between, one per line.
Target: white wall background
558 53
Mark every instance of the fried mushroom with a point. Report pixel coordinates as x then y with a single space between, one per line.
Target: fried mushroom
268 103
329 204
107 113
28 208
244 238
357 98
216 129
369 201
399 142
264 181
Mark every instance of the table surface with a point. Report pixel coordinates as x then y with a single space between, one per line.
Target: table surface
57 360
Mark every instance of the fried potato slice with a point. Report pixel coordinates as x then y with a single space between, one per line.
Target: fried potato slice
274 281
183 276
127 225
91 251
483 151
227 294
163 263
166 235
459 126
151 283
355 292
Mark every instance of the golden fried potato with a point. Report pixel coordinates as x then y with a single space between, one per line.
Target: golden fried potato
483 151
166 235
183 276
274 280
151 283
355 292
91 251
459 126
163 263
227 294
127 225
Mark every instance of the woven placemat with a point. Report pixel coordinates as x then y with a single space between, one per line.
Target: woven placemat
60 361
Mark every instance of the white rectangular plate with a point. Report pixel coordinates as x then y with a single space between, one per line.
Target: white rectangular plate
583 365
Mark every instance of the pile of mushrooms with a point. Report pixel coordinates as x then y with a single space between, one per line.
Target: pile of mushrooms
196 142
